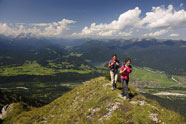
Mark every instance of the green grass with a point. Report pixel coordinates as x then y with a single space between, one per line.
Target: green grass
29 68
155 77
77 71
33 68
74 54
54 65
18 108
89 102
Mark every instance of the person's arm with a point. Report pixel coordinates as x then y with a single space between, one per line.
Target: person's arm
110 64
117 63
122 69
129 69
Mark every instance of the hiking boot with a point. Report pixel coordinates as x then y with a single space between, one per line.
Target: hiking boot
129 99
124 97
115 86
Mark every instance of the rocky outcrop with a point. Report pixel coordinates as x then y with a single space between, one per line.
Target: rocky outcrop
7 108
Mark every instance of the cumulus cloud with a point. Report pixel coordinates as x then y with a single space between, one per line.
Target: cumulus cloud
160 20
156 22
117 27
174 35
54 29
157 33
162 17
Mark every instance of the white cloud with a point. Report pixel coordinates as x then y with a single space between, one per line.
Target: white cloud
160 20
160 17
125 33
117 27
41 24
54 29
157 33
174 35
157 22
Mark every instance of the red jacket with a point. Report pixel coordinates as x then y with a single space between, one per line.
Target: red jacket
125 74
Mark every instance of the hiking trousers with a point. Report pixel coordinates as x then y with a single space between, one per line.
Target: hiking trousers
114 78
125 87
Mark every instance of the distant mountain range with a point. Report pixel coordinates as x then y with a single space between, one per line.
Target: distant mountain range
166 55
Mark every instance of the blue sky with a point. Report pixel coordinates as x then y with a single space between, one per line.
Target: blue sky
73 18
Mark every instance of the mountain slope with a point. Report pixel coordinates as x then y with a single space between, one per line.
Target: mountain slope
8 97
167 55
94 102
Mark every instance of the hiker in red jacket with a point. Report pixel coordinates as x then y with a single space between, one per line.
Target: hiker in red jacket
125 70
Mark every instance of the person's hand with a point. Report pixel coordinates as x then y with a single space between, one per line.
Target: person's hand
123 70
117 63
112 63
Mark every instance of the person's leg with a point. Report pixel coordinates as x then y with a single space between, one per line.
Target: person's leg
113 83
122 81
116 78
127 82
125 88
112 77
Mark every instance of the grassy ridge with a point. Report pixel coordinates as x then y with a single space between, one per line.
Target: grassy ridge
151 81
94 102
